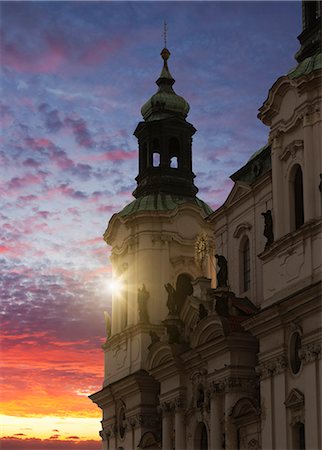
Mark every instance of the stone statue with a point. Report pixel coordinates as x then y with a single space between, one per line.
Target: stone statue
268 228
108 324
222 274
171 303
143 297
202 312
154 337
173 334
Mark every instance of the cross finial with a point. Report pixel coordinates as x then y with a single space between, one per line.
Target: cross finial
165 30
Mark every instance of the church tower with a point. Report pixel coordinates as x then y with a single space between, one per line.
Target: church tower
153 242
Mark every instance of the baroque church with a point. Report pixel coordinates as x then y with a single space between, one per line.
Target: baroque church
215 336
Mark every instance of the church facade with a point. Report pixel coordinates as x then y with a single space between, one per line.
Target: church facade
215 336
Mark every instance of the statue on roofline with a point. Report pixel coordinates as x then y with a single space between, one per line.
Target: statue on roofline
222 274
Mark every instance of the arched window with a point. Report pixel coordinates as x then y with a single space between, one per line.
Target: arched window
174 162
299 436
155 153
245 261
295 347
156 159
201 437
174 152
298 197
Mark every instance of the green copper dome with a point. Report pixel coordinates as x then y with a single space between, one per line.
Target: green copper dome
162 202
306 66
165 103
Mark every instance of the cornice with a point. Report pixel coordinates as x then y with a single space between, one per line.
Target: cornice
303 302
271 106
273 366
286 242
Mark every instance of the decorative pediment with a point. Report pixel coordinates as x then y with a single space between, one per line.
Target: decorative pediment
291 149
159 354
245 407
295 399
207 330
237 192
149 441
241 229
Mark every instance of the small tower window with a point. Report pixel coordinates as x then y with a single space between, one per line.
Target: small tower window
155 153
156 159
245 256
174 162
174 152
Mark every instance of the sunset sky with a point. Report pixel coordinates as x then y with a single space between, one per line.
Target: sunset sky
74 77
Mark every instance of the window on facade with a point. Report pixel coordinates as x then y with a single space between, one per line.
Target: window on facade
299 436
295 347
298 198
246 265
201 437
204 438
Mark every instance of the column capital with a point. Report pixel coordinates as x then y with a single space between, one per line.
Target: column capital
272 367
310 352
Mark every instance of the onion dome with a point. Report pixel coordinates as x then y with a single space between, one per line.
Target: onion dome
165 102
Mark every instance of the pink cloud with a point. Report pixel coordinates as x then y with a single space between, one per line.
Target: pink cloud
26 180
114 155
14 443
100 50
49 59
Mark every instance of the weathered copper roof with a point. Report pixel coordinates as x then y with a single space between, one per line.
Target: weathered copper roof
165 102
307 66
162 202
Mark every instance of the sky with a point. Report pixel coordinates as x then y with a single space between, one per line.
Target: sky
74 77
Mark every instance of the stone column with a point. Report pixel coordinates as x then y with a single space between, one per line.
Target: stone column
180 429
279 191
230 429
215 425
166 426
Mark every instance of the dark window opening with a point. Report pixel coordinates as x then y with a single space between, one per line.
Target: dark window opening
295 347
204 438
298 198
155 153
299 436
174 152
246 265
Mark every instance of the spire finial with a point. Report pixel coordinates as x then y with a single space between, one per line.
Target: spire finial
165 30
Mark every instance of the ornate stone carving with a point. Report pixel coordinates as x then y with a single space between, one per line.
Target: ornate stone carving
171 302
268 228
291 150
241 229
272 367
144 420
167 407
201 250
310 352
234 384
105 435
